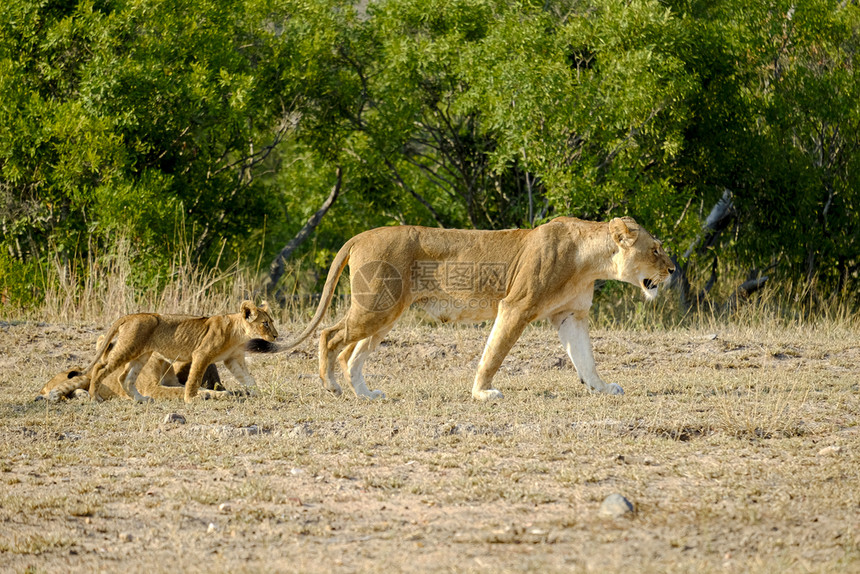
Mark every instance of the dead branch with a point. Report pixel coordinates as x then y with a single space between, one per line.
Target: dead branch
276 268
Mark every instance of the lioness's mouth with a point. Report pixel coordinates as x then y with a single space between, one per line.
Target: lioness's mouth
648 284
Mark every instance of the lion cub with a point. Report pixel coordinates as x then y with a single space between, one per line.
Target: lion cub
201 340
159 379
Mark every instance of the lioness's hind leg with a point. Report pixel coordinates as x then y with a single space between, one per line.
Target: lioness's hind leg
353 363
332 342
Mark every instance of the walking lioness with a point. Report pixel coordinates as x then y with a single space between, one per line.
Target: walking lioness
201 340
514 276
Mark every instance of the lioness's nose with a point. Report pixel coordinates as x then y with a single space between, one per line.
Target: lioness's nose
671 270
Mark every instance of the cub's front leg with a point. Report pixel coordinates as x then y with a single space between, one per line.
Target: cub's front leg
237 366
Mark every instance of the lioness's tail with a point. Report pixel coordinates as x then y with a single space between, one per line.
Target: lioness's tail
334 272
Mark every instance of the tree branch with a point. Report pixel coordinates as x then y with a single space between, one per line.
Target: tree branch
276 268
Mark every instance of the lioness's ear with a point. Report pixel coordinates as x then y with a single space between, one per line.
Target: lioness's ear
249 311
624 231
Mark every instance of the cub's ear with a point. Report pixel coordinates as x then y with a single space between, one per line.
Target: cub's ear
249 311
624 231
264 306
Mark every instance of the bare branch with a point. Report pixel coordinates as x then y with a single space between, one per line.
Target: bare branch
276 268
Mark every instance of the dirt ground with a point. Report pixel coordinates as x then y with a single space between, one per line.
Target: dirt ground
738 448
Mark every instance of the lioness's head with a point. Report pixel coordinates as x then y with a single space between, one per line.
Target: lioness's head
641 259
258 323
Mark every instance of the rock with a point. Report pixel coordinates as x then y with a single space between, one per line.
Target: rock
212 528
69 436
174 418
252 430
616 506
225 507
126 536
830 450
303 429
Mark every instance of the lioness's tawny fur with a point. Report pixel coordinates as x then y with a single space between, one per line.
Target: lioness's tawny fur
201 340
513 276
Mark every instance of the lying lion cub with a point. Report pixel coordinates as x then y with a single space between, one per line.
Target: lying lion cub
158 379
201 340
513 277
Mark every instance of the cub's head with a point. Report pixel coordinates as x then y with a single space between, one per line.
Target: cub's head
641 259
64 385
258 322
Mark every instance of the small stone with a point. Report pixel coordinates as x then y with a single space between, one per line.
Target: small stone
126 536
296 471
830 450
174 418
616 506
225 507
69 436
303 429
212 528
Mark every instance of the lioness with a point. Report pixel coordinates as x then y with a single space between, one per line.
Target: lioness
201 340
159 379
515 277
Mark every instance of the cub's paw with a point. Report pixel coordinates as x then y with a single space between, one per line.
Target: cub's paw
81 394
488 395
242 393
614 389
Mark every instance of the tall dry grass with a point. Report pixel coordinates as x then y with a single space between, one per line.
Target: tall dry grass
109 285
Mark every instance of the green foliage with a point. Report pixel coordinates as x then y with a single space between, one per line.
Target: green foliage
221 124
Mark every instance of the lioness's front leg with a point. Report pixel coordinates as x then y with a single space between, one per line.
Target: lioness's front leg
506 331
573 332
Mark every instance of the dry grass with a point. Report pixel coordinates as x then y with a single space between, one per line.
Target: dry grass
718 443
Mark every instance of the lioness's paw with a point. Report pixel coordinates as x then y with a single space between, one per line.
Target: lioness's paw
373 395
142 399
334 389
615 389
488 395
